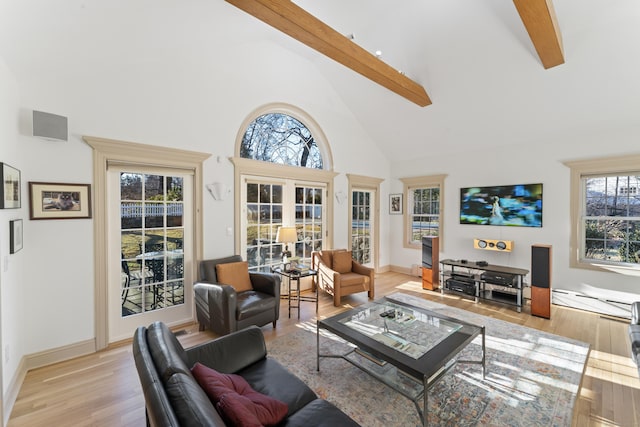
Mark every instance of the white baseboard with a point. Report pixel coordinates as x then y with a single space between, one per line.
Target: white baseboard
60 354
38 360
405 270
383 269
13 389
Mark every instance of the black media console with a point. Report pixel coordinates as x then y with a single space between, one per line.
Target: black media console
481 280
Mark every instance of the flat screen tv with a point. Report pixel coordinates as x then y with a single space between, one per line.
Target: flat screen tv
508 205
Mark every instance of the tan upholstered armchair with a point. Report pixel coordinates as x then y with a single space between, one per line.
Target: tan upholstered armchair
339 274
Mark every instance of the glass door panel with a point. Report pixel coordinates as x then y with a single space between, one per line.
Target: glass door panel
309 208
362 226
152 241
263 217
269 205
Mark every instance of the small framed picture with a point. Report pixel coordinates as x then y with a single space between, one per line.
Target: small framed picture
395 204
15 235
50 200
10 188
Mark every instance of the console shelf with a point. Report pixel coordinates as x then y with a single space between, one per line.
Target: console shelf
483 281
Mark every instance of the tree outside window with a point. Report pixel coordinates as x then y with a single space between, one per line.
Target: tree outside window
281 139
611 219
271 201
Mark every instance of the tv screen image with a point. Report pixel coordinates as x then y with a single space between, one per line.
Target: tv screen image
508 205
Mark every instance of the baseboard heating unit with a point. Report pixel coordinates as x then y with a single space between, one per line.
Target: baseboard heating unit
591 303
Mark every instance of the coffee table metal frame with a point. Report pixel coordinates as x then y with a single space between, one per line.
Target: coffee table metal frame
426 371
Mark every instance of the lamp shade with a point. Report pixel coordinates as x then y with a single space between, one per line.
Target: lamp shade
286 235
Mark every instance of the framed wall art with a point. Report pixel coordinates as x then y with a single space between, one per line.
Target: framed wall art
15 235
50 200
10 188
395 204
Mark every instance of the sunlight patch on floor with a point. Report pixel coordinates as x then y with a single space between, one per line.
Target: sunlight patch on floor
502 388
606 375
534 352
529 379
612 358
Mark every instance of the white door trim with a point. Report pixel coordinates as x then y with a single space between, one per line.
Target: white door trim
108 150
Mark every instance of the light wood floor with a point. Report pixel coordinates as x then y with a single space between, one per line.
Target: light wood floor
103 389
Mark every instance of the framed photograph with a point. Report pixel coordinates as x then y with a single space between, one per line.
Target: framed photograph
395 204
15 235
10 188
50 200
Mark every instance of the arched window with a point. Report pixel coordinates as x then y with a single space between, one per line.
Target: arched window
282 139
283 175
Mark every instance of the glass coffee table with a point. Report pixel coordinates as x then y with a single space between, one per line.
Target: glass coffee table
407 348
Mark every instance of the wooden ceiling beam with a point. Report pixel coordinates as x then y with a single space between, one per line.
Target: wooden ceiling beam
539 18
289 18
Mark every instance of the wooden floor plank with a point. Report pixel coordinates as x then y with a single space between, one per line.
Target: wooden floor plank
103 389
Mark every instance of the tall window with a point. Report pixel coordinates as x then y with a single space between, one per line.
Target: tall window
360 226
423 216
605 212
278 195
363 217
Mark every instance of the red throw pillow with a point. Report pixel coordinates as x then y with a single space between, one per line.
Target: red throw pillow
237 401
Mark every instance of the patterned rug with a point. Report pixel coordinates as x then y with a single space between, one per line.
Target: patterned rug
532 377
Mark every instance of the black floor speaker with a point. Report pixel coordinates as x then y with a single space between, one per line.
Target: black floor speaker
541 281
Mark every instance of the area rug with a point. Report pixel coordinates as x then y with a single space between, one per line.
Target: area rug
532 377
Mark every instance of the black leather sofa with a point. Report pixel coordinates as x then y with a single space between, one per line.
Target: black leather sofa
634 333
173 397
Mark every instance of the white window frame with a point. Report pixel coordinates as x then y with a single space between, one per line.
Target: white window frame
413 183
249 167
579 169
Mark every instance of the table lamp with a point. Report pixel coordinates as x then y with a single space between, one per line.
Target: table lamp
286 235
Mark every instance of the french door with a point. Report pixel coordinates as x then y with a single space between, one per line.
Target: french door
150 239
270 203
363 226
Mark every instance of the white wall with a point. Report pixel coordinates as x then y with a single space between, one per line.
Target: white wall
11 265
538 161
116 76
184 99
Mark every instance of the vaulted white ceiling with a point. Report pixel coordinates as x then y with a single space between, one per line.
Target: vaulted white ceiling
474 58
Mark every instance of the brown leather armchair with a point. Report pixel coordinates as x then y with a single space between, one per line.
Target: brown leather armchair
229 298
339 274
